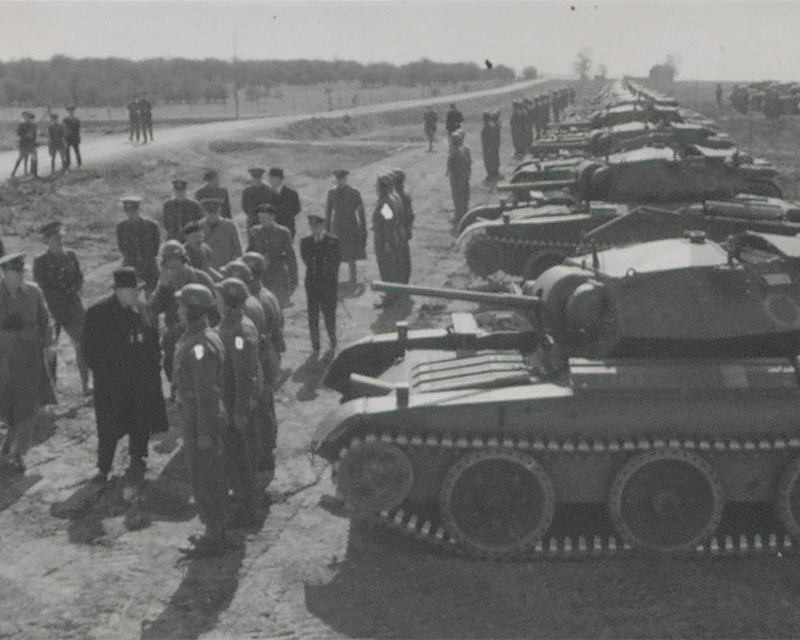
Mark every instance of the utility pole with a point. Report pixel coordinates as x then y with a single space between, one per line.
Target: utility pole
235 78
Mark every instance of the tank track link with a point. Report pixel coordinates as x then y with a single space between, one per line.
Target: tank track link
410 521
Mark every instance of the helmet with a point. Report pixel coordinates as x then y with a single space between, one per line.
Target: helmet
238 269
233 291
172 249
256 262
196 295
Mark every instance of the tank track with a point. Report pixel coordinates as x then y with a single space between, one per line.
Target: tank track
409 520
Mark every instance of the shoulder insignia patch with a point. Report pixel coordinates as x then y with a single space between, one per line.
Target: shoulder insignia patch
238 342
199 351
386 212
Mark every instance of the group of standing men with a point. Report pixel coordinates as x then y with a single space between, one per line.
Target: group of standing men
140 117
63 138
530 118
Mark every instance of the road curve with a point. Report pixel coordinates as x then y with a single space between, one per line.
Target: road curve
117 147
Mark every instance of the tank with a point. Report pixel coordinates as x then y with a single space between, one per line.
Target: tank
525 240
652 175
619 421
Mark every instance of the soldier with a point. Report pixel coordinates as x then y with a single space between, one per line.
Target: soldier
528 111
212 190
320 253
274 242
271 306
406 221
453 120
242 393
138 239
134 120
220 234
390 239
490 142
198 253
265 317
253 195
430 117
26 342
459 169
26 136
285 200
518 124
59 276
175 273
146 118
345 218
72 137
121 344
56 143
179 211
199 361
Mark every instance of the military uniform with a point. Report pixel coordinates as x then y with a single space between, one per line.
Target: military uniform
72 137
138 240
322 258
122 350
199 361
391 240
163 301
287 206
60 278
26 331
209 192
274 242
459 168
26 141
134 120
179 213
56 145
344 218
223 239
252 196
490 142
453 120
146 118
430 117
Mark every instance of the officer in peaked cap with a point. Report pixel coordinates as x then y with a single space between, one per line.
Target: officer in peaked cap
220 234
199 384
58 274
253 195
285 200
274 242
211 190
345 218
26 139
179 211
198 253
138 239
321 255
72 135
121 345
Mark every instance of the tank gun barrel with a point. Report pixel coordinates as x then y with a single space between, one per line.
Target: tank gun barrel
505 299
538 185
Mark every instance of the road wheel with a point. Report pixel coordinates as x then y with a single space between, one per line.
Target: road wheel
766 189
789 498
497 504
666 501
374 476
483 255
538 263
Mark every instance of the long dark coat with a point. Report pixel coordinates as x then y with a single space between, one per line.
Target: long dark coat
345 218
121 348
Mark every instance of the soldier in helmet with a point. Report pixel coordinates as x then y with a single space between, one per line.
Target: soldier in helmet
138 239
518 124
58 273
179 211
272 308
199 381
242 393
391 242
490 142
175 274
406 222
274 242
26 343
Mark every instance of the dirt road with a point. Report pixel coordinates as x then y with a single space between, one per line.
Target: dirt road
308 573
117 146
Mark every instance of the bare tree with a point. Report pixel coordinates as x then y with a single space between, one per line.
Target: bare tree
583 64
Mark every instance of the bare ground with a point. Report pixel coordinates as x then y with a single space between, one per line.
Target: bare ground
307 572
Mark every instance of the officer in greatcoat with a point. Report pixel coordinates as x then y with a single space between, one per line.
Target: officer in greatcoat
58 273
120 341
199 361
254 194
345 218
220 234
321 255
212 190
138 240
274 242
179 211
26 343
285 200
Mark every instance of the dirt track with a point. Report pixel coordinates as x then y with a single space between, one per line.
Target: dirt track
307 572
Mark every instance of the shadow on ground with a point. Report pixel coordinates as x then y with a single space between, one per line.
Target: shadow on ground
391 587
392 314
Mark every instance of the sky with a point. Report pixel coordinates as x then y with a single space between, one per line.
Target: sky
711 39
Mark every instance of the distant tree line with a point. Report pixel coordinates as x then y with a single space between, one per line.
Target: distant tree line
95 82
